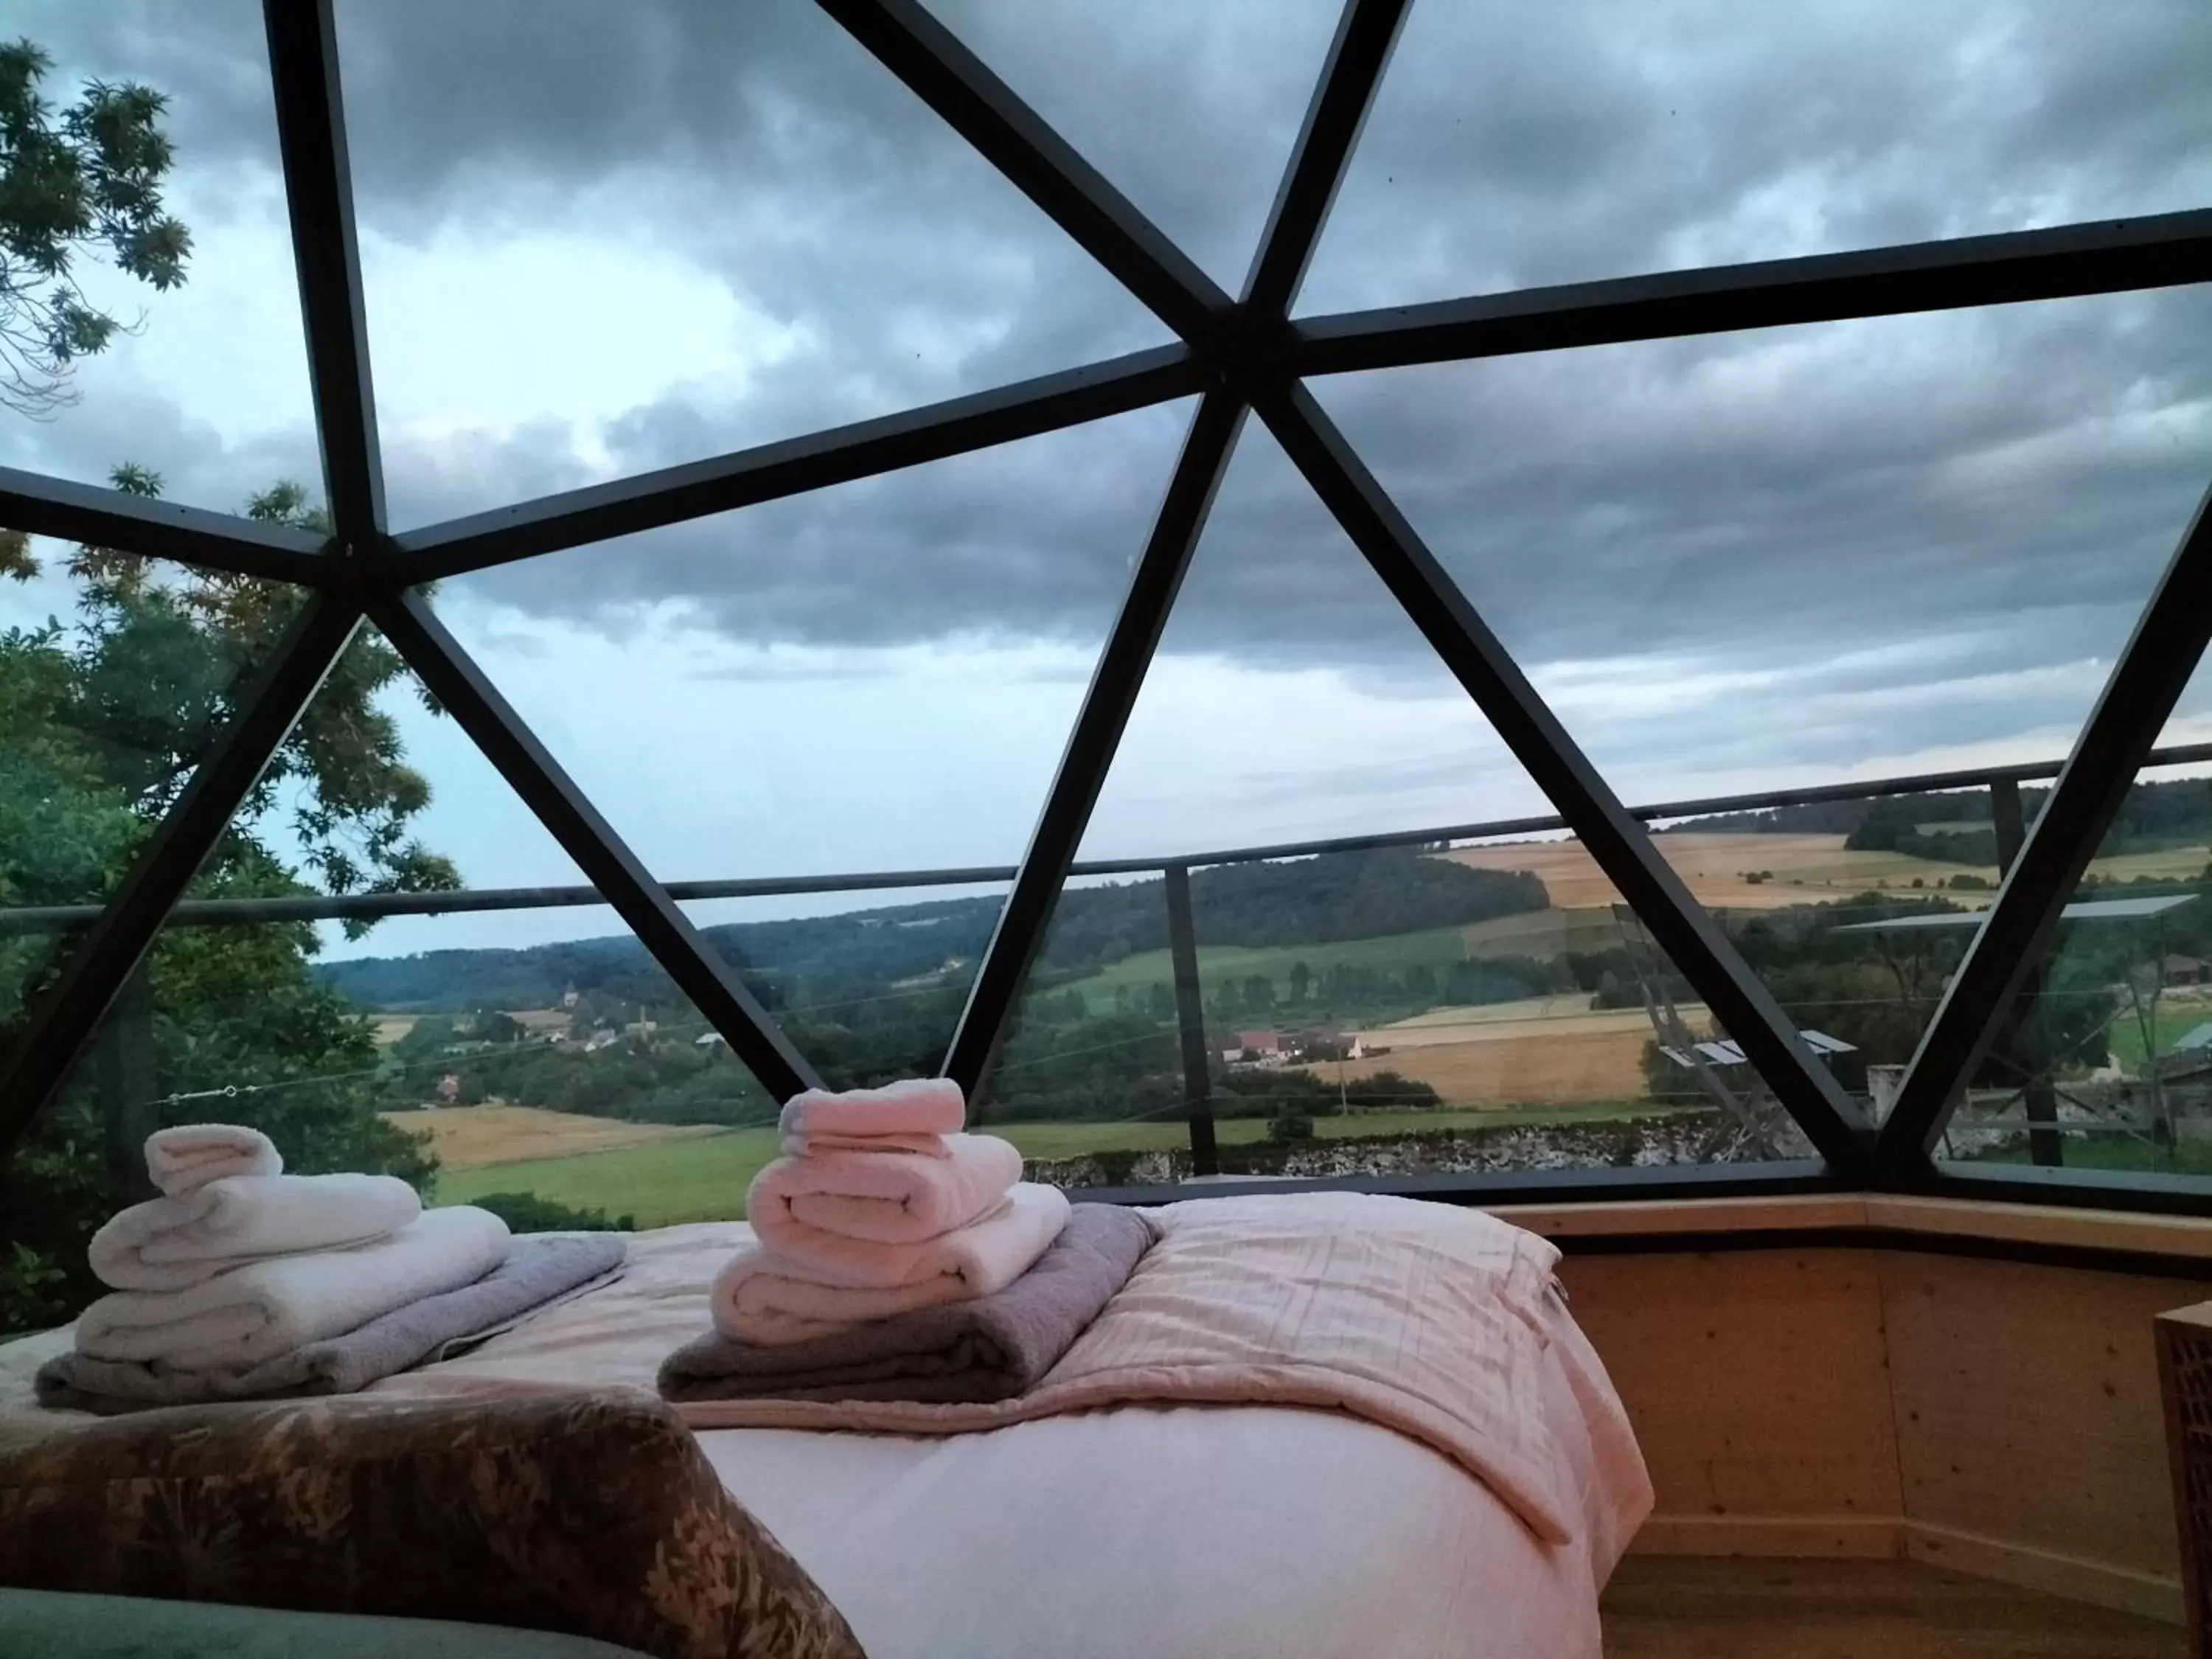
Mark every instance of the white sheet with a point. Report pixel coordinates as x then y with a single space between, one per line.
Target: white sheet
1192 1532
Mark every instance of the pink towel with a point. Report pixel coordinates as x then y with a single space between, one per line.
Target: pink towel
925 1106
835 1207
763 1298
193 1154
810 1146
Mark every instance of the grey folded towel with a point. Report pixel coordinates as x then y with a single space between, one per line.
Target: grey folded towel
539 1268
992 1348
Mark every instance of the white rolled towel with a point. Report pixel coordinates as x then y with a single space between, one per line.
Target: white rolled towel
270 1307
763 1298
168 1243
193 1154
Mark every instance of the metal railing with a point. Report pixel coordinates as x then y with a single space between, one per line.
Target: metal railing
2002 782
374 907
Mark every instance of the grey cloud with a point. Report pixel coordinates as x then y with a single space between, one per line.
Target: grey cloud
1712 499
1522 145
119 421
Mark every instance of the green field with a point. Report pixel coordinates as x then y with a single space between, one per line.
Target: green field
2175 1021
705 1179
1437 947
1543 934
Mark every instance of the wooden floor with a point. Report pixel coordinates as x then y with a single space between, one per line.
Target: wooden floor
1663 1607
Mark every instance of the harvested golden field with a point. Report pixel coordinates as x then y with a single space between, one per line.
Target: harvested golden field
1568 1016
1806 869
1556 1067
465 1136
1541 1049
2167 864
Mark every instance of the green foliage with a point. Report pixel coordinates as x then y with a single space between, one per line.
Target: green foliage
526 1213
107 718
84 179
1290 1125
28 1284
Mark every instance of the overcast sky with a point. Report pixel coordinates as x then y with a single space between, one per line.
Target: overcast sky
602 239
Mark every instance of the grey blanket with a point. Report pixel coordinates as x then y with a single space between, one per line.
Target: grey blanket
539 1268
992 1348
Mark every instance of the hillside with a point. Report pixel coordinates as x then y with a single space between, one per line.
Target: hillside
2158 812
1306 901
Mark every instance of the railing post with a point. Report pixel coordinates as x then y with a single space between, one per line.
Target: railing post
2023 1040
126 1074
1190 1019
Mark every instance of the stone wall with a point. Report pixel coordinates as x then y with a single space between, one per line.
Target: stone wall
1674 1138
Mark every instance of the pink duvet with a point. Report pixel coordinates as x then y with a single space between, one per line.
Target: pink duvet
1428 1319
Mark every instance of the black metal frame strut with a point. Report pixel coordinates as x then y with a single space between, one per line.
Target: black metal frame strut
1232 356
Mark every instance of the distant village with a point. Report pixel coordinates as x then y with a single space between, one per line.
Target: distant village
575 1027
1264 1051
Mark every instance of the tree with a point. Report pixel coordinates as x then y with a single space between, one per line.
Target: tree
107 718
153 680
85 180
1227 1004
1301 977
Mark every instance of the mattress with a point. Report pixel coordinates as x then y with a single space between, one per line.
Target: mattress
1170 1532
1198 1532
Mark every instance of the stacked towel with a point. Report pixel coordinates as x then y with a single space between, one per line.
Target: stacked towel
994 1347
767 1296
174 1243
541 1269
258 1308
239 1279
884 1207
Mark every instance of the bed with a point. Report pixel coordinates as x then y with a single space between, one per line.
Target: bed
1164 1530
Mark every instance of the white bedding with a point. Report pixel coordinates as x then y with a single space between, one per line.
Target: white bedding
1193 1533
1185 1532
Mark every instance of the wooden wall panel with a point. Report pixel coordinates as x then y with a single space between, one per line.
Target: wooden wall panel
2027 1407
1759 1391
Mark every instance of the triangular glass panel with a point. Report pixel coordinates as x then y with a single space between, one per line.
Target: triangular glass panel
1437 979
515 1047
1515 145
191 364
868 980
2103 1065
873 680
1191 111
638 243
1753 571
118 676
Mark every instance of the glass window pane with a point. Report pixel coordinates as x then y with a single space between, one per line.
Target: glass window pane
1191 111
874 677
1447 1001
202 381
869 983
536 1057
118 676
626 242
1516 144
1810 557
2100 1064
